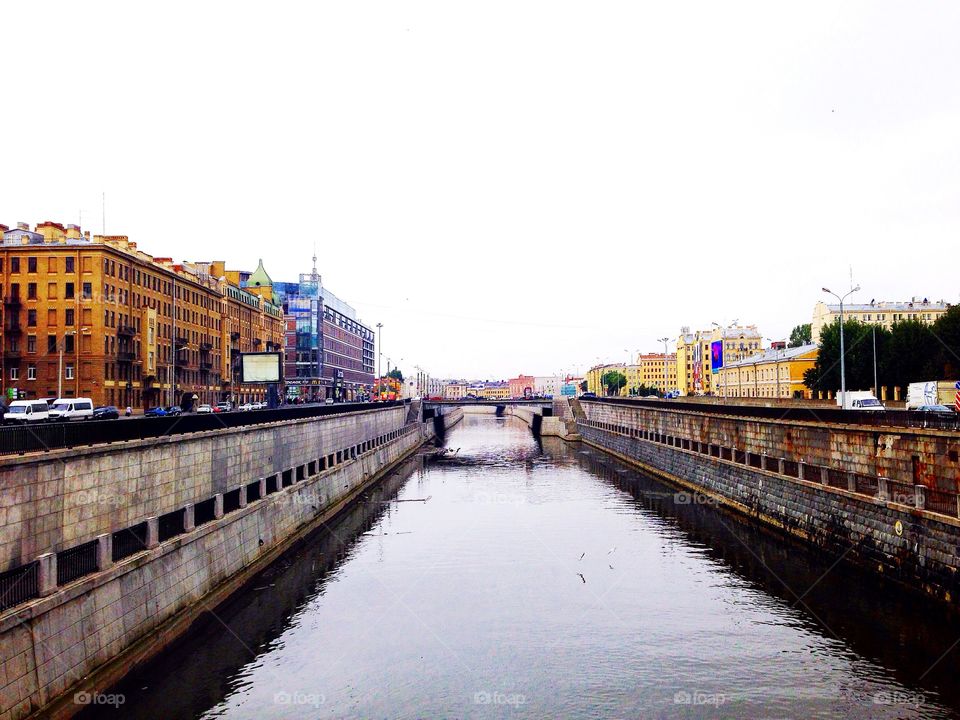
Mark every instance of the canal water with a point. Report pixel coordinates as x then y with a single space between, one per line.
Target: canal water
547 580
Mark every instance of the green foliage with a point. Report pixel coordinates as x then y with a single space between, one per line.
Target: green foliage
612 380
800 335
583 386
858 340
946 356
396 375
644 390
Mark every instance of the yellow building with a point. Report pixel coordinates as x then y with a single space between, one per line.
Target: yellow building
771 373
876 313
693 362
495 392
658 371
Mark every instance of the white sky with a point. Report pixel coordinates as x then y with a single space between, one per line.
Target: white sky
508 186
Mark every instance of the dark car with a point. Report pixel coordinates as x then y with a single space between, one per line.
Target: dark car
106 412
589 395
155 412
174 410
935 409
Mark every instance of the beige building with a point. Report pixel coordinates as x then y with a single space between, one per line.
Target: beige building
657 370
693 362
877 313
773 373
454 391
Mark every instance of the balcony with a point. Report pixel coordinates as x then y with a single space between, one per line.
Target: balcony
256 342
206 346
125 356
12 329
11 354
12 300
206 365
234 336
126 330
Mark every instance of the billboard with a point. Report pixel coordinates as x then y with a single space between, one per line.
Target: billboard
698 368
261 367
716 356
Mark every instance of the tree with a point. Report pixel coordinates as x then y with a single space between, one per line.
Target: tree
800 335
910 355
946 334
396 375
613 381
583 386
858 343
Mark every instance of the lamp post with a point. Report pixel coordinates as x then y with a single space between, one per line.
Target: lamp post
843 369
379 355
664 340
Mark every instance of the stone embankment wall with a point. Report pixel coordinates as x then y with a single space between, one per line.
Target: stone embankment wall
282 480
885 526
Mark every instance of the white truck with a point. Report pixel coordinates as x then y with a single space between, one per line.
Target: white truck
859 400
932 392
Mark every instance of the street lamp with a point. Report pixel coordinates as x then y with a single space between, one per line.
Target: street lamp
379 355
843 370
664 340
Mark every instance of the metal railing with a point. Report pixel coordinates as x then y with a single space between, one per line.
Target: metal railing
34 437
886 418
76 562
19 585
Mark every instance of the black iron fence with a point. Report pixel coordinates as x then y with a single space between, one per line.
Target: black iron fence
19 585
129 541
34 437
76 562
886 418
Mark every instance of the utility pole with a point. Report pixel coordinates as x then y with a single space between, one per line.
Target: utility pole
379 355
664 340
843 370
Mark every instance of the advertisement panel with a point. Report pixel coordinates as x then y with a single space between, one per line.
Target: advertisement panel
698 368
261 367
716 356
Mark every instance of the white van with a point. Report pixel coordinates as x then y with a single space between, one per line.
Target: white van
71 409
860 400
24 411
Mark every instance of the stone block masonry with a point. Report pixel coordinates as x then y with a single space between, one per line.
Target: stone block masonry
84 634
893 536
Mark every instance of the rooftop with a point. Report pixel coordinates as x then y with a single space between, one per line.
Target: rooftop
771 355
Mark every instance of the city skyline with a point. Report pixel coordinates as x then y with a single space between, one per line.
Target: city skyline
541 203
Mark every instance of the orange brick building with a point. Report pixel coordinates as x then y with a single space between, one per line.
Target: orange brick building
98 317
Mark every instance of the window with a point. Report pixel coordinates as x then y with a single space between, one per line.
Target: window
31 291
14 373
31 343
68 371
68 265
51 291
31 372
68 343
51 343
31 318
51 265
87 291
31 264
69 317
68 291
14 264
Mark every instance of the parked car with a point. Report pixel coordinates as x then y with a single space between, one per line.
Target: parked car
106 412
588 395
174 410
328 401
246 407
27 411
223 407
935 409
859 400
155 412
204 409
71 409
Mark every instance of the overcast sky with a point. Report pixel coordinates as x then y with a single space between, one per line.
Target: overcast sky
507 186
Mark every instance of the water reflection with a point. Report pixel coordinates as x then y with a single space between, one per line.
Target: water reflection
514 579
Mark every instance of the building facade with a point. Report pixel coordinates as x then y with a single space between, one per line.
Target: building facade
98 317
656 370
876 313
521 386
454 391
774 373
693 362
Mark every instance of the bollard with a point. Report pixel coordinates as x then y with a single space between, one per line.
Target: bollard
104 551
153 532
882 488
218 506
47 574
920 497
